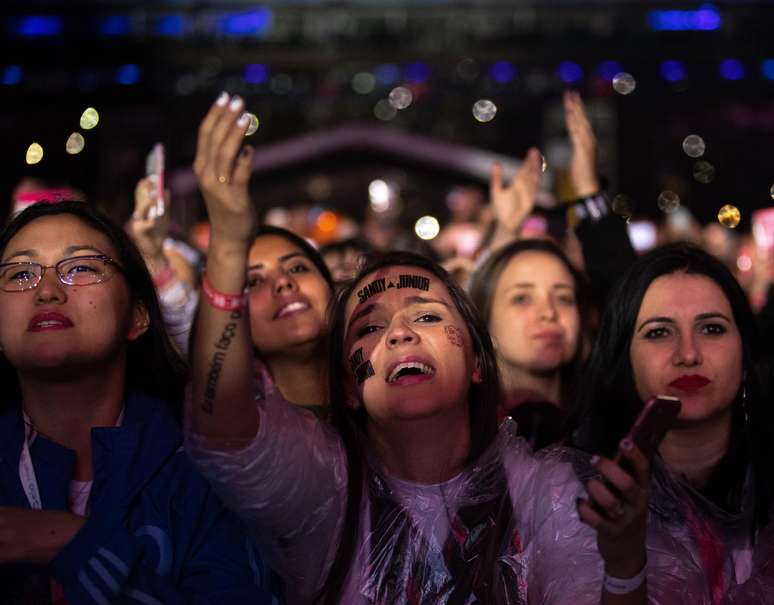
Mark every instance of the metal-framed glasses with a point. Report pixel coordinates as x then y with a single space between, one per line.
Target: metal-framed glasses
73 271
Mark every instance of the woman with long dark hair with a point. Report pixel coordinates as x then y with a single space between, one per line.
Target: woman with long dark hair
287 283
536 306
413 495
97 500
679 324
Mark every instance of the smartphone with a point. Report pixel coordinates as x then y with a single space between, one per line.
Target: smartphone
652 424
154 167
763 230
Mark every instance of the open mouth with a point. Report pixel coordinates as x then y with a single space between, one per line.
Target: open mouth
410 368
293 307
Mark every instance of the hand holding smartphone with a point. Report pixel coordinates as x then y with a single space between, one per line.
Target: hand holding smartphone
650 427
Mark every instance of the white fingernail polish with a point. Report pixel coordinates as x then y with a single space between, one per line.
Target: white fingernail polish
222 99
243 120
236 104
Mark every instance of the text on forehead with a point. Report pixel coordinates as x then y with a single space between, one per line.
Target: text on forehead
378 286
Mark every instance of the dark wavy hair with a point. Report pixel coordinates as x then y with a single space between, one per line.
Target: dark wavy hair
608 401
350 423
308 249
153 364
484 282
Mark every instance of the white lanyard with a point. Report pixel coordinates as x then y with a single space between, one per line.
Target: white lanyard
27 471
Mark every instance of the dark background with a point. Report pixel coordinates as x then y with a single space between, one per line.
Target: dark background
186 52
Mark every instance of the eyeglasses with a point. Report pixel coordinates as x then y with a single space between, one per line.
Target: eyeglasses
74 271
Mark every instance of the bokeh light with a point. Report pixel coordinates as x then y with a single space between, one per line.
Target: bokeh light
89 118
484 110
34 153
427 227
75 143
729 216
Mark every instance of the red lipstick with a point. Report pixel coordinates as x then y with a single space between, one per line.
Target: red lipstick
43 322
690 382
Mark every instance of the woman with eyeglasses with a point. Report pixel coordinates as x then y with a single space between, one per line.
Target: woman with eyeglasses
98 503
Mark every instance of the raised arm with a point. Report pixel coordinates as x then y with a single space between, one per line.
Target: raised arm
222 360
512 203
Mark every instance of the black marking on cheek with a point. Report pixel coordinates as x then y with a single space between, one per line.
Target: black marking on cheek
454 334
364 372
356 359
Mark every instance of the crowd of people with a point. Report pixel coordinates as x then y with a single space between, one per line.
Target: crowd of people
378 421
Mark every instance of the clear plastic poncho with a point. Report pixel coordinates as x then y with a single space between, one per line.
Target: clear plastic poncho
503 532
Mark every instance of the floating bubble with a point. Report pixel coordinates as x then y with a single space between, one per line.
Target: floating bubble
624 83
729 216
427 227
668 202
623 205
384 111
400 97
363 83
75 143
89 118
704 172
693 146
254 123
34 153
484 110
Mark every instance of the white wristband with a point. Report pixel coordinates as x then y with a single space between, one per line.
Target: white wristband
625 585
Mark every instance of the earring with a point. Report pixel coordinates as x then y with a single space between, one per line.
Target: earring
744 404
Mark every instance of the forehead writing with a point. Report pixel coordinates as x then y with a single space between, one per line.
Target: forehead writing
405 280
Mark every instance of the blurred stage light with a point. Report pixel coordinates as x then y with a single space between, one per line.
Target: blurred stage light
767 69
253 23
128 74
417 73
38 26
387 74
171 25
607 70
732 69
569 72
256 73
114 25
12 75
672 71
427 227
502 72
706 18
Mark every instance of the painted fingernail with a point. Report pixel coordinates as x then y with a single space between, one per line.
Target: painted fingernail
626 444
594 460
222 99
236 104
243 120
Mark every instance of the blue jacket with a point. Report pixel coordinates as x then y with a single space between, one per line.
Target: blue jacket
156 533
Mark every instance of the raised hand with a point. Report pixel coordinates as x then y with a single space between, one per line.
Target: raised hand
618 509
583 163
514 202
222 165
148 229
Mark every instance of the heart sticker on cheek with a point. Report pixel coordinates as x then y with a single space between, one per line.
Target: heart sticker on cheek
454 334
